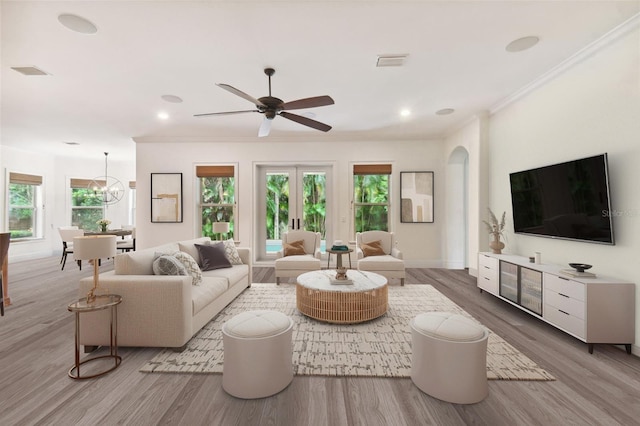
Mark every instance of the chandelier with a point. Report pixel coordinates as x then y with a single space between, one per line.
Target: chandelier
107 188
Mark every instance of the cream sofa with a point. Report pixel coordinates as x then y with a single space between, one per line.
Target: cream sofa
161 310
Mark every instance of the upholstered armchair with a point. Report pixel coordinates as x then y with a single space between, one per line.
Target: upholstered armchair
300 253
376 252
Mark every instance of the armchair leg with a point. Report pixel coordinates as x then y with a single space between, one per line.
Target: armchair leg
401 281
277 280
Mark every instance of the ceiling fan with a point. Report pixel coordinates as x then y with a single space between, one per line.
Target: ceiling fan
271 107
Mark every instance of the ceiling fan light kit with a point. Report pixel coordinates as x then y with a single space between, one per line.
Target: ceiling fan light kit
270 107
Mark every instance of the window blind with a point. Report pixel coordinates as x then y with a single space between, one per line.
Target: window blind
215 171
372 169
25 179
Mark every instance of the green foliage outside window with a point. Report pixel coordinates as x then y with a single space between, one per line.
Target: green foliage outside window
371 202
277 205
217 204
315 202
21 210
86 209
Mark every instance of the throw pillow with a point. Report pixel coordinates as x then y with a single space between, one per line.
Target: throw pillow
168 265
230 251
212 257
295 248
372 248
190 265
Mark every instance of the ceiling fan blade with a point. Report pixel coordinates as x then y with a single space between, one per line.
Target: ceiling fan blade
225 113
316 101
241 94
306 121
265 128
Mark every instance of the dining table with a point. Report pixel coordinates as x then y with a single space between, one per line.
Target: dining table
116 232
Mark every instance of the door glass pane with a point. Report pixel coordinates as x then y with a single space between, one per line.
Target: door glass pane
277 209
314 202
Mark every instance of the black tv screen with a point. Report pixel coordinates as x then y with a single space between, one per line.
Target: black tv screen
567 200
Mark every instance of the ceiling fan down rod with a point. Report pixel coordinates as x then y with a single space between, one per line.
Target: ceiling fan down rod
269 72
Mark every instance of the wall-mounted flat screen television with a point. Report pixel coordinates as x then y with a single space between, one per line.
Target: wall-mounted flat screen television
567 200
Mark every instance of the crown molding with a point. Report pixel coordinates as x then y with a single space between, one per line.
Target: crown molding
621 30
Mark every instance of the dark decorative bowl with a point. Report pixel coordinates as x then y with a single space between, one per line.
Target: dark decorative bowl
580 267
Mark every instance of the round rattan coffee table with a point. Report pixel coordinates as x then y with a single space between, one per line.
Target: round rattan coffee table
363 300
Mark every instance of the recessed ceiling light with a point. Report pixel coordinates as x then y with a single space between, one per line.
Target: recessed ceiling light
71 143
163 116
171 98
405 112
77 23
521 44
445 111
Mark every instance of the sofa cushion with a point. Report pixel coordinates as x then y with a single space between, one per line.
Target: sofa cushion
212 257
166 264
230 251
189 246
140 262
381 263
232 275
190 265
372 248
208 291
304 263
294 248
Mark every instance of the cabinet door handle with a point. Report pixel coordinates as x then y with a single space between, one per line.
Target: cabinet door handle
566 313
563 295
563 278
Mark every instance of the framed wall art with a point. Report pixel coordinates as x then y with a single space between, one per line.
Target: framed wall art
416 197
166 197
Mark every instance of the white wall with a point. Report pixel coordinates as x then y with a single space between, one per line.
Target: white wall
56 171
421 243
473 139
592 108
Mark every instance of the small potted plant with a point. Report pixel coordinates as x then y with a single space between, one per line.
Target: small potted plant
103 224
495 229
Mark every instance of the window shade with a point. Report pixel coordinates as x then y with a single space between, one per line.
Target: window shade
84 183
215 171
372 169
25 179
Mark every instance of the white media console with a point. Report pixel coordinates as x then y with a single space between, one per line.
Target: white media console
594 310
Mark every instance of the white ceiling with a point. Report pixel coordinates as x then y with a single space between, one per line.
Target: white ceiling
104 89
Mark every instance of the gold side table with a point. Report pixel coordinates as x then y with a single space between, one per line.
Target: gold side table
107 301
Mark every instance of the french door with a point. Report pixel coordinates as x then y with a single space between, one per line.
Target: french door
291 198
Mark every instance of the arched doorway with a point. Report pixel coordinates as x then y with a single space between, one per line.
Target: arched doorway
457 239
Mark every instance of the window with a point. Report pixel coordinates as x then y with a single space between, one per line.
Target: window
25 195
86 207
371 197
217 198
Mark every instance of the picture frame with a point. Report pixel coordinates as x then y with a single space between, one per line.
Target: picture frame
166 197
416 197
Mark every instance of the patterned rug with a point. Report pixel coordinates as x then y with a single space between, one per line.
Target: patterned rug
378 348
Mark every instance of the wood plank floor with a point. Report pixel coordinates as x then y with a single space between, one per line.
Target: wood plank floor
36 350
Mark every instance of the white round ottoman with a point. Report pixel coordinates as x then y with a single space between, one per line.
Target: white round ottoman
257 354
449 357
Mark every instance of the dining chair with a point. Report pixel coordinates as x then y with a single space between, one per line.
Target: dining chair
67 235
127 243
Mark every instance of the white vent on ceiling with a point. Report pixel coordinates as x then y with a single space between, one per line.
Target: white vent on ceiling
392 60
29 70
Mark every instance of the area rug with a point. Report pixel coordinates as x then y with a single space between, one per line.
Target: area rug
378 348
